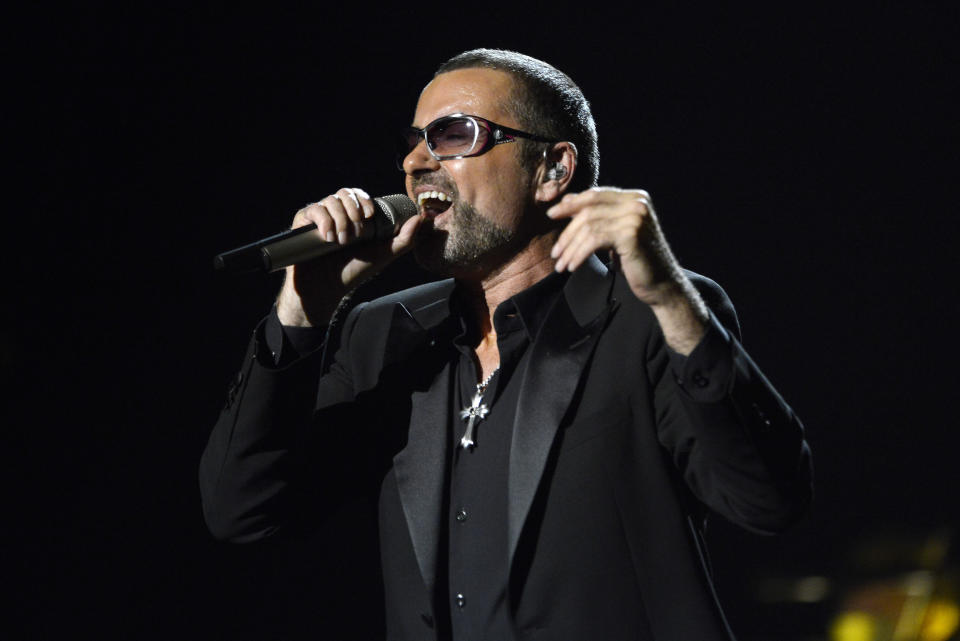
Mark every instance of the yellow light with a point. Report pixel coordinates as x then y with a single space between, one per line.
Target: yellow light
941 621
854 626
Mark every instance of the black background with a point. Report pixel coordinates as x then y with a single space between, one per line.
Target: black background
803 157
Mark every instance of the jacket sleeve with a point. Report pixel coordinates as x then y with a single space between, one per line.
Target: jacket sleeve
255 461
739 446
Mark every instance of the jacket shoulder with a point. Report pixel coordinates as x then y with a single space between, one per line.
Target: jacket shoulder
712 293
717 301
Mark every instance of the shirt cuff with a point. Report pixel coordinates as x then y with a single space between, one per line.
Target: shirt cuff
705 373
288 343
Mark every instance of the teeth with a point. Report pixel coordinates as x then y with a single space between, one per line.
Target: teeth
438 195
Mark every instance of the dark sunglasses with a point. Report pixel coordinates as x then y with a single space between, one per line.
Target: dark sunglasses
459 136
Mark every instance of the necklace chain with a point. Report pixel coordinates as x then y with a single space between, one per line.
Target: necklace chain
482 386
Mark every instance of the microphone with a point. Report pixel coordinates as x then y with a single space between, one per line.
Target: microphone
299 245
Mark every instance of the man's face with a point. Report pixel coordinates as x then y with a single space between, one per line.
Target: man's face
477 224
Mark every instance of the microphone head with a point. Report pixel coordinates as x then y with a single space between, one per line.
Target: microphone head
397 208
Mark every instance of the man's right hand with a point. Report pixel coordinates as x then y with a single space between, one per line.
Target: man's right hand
312 290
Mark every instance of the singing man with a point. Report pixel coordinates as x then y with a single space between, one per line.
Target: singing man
545 433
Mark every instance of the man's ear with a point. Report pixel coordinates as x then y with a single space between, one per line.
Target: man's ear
556 171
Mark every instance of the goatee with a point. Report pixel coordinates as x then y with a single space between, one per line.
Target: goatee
470 242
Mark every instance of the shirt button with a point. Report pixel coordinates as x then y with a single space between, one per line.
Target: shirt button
700 380
461 515
762 416
461 600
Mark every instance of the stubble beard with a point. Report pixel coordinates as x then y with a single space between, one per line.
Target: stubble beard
470 243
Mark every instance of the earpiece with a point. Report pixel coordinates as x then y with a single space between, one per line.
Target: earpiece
556 172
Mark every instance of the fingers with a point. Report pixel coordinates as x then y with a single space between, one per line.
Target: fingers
574 250
604 218
591 229
364 201
570 204
404 240
340 216
369 259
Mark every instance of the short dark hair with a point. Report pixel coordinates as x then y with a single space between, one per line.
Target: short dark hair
546 102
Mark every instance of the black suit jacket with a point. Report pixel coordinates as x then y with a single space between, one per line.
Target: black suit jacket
617 456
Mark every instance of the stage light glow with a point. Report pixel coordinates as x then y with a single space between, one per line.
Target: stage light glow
854 626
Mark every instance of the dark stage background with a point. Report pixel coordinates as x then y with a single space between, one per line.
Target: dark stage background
804 158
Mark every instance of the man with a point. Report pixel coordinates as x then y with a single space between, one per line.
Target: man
545 435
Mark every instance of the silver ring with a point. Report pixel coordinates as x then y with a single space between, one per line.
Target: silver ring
356 199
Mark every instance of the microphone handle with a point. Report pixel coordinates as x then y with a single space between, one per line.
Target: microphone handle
296 246
301 244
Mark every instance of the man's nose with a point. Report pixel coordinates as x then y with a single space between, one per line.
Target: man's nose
420 160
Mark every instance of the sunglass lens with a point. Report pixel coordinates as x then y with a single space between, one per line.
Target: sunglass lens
453 137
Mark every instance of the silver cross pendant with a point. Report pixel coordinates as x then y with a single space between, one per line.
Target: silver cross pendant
475 412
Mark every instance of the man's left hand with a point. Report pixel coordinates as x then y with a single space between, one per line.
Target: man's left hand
625 222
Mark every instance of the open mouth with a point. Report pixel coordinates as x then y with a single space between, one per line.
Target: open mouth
433 203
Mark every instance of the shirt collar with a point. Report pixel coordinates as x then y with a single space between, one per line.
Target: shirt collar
526 310
533 303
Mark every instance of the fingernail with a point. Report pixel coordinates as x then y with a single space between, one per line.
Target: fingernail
559 266
342 237
330 236
554 252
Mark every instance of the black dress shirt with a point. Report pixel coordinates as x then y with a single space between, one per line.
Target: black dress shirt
476 575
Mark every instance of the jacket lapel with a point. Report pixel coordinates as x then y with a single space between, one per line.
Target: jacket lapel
420 337
560 353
